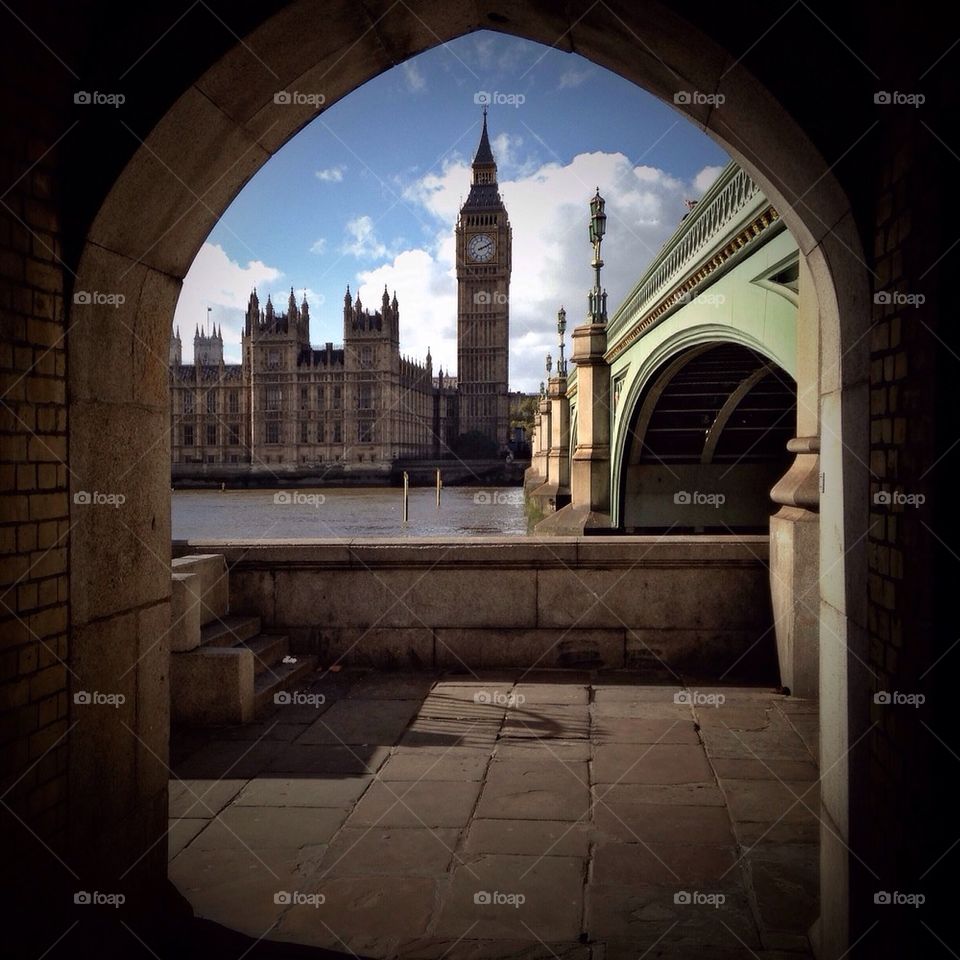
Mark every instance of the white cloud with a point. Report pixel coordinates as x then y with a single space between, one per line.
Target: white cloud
416 81
319 246
361 239
704 179
572 77
548 209
214 280
331 174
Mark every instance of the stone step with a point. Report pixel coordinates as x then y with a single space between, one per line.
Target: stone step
212 685
229 631
268 650
213 584
281 677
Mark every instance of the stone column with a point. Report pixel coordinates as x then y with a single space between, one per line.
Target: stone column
795 528
588 510
554 492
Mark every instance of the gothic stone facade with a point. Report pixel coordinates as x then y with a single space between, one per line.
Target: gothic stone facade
290 405
362 405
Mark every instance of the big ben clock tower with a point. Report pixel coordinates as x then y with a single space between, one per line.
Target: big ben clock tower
483 310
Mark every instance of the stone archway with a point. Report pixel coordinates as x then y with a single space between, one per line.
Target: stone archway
218 131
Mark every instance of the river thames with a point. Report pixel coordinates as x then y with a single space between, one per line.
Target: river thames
346 512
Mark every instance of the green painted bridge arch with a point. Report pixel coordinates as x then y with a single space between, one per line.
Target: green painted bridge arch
728 275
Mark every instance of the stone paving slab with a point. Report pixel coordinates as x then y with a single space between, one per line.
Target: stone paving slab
237 889
442 707
662 823
785 880
470 949
632 730
728 717
433 732
535 790
752 834
284 730
642 709
452 763
752 769
361 914
256 828
325 759
181 832
412 851
662 863
772 743
649 915
418 804
548 721
683 794
525 748
481 890
555 838
596 798
558 693
772 800
302 792
362 722
391 686
653 763
201 798
228 759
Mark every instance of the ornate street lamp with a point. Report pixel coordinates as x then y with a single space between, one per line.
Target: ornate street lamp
549 364
597 298
561 329
543 389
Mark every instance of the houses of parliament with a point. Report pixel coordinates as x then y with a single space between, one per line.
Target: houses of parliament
360 406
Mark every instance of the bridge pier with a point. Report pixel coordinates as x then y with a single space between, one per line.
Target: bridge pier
589 508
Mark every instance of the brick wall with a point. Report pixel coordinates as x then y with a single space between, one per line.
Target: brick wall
908 354
35 527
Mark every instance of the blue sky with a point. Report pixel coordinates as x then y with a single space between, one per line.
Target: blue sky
368 193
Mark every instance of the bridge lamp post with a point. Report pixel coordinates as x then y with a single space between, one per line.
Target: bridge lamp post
549 365
561 329
598 227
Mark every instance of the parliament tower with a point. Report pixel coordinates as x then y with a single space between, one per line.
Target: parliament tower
483 254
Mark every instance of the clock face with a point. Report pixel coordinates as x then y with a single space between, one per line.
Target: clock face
481 248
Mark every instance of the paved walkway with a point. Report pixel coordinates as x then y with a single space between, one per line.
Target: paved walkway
552 814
